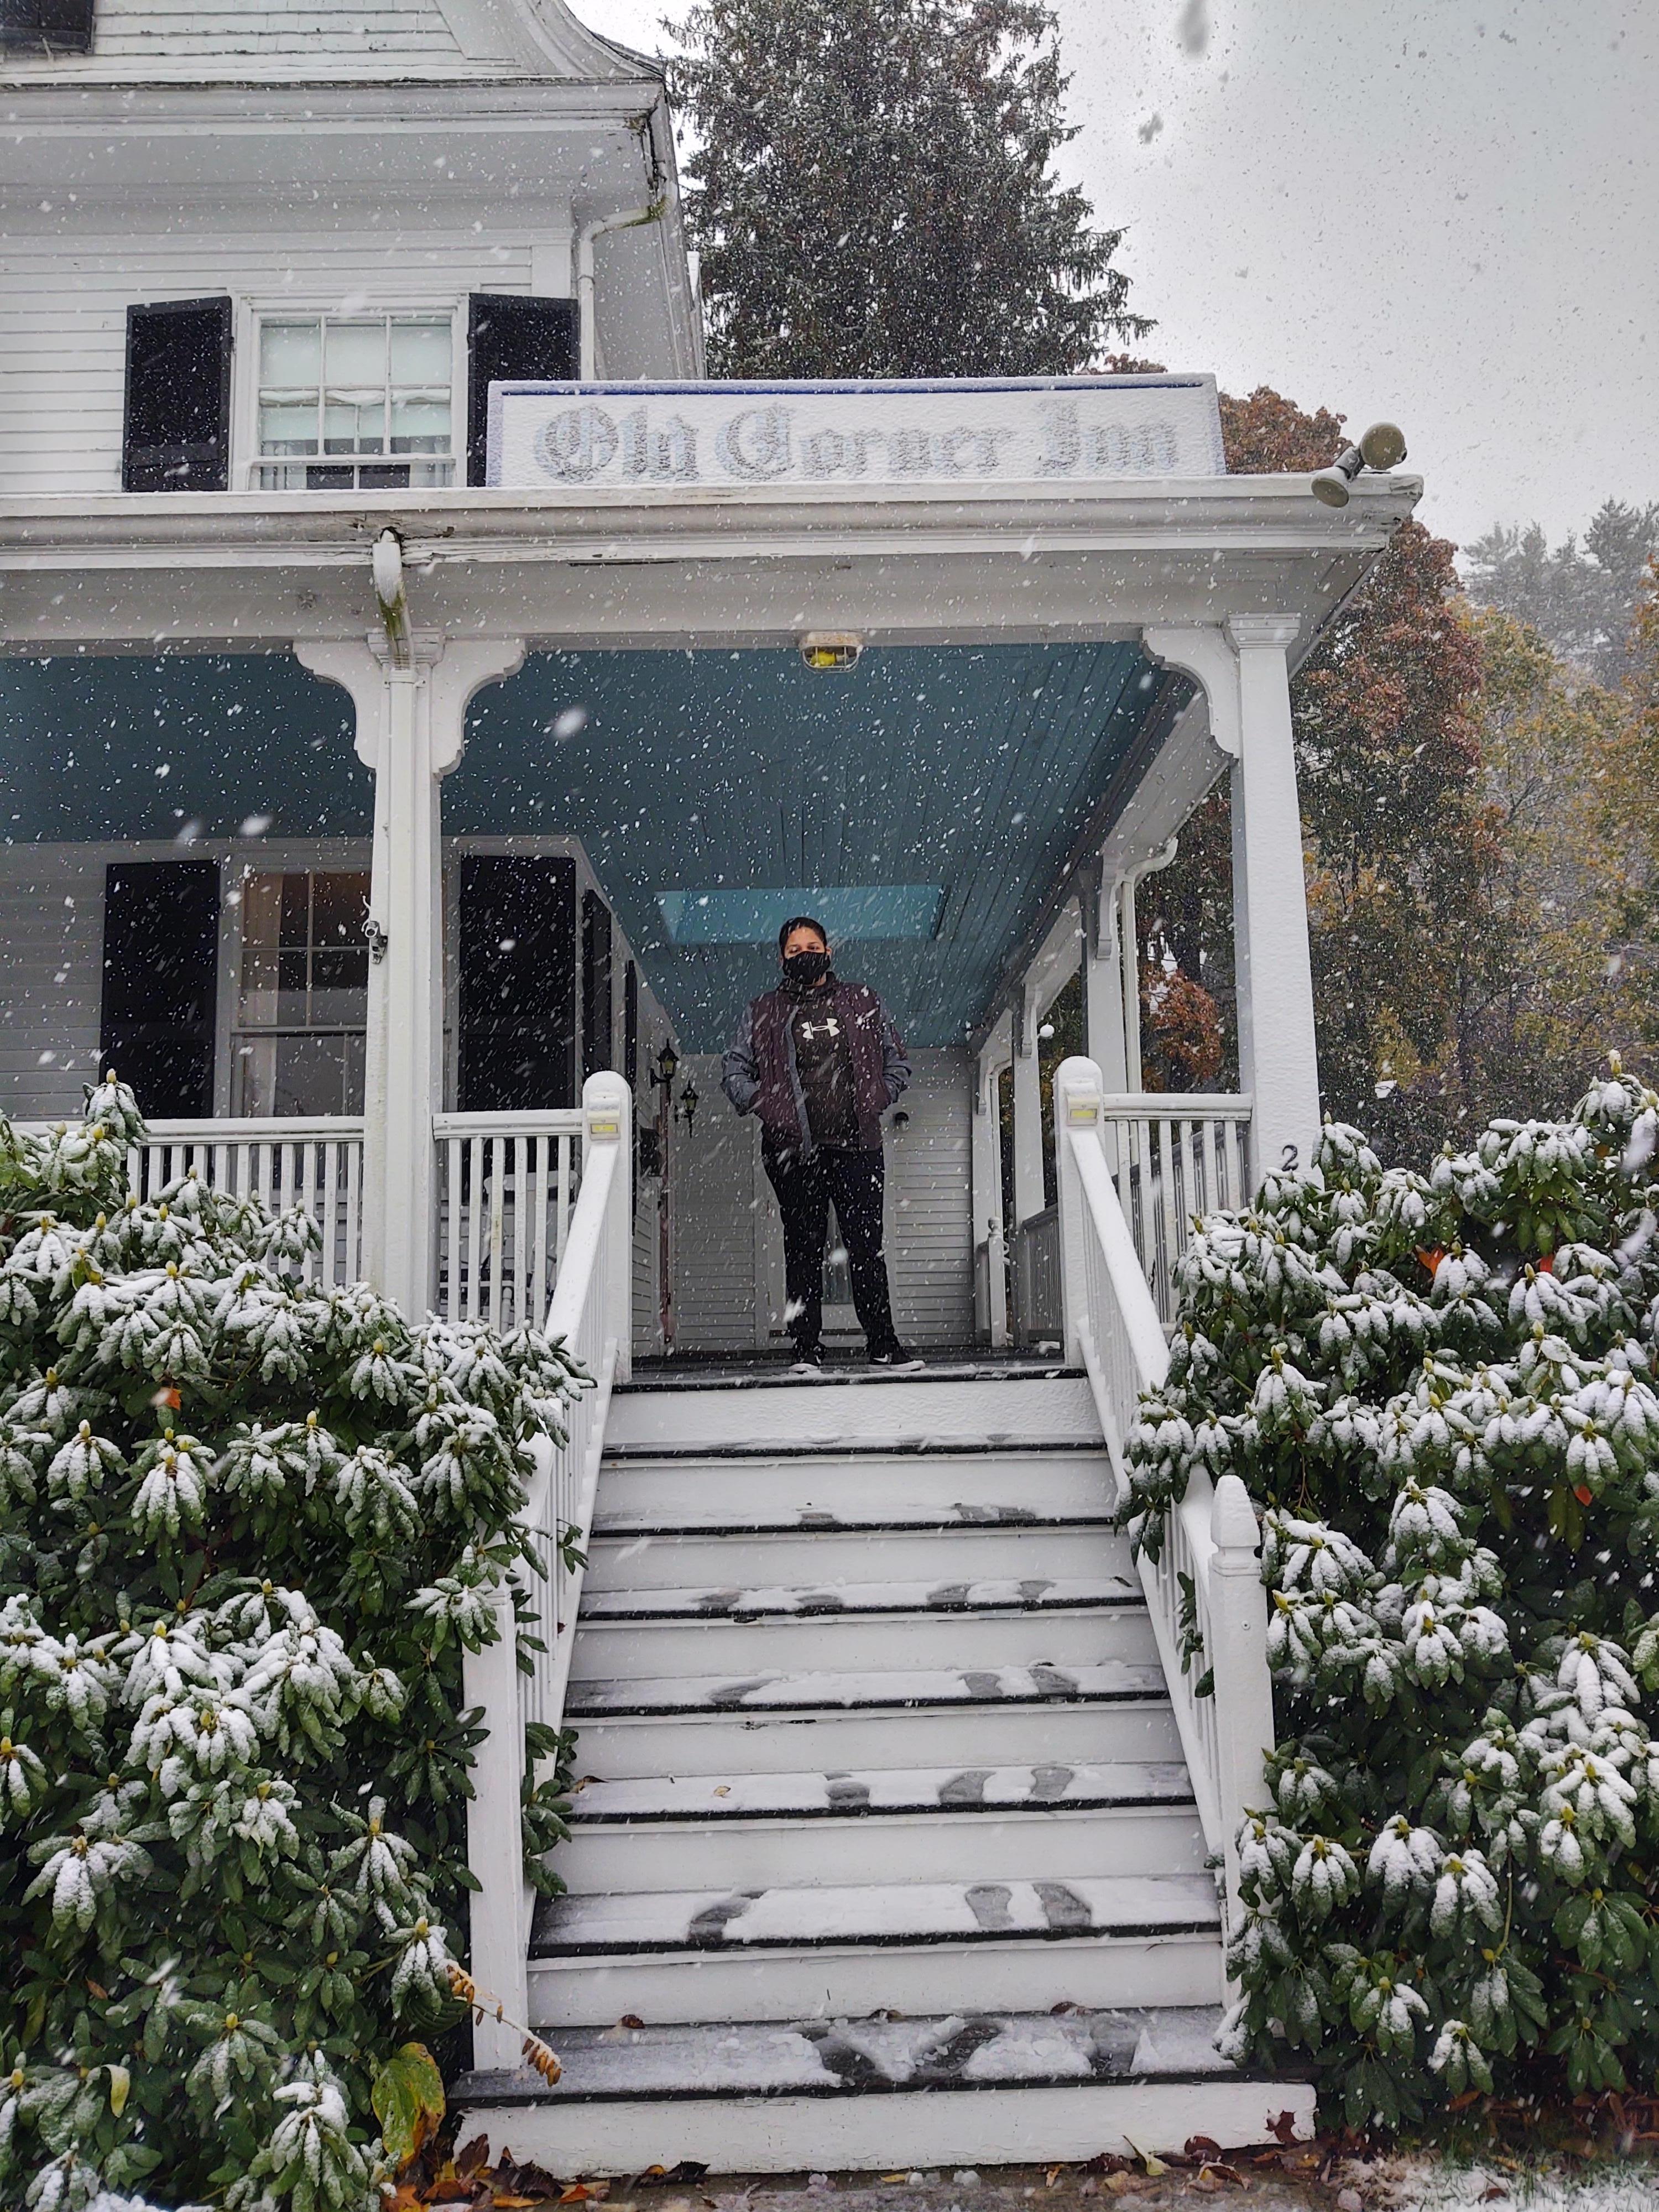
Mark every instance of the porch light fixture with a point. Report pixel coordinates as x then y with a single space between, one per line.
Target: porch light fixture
667 1068
1382 447
689 1101
830 649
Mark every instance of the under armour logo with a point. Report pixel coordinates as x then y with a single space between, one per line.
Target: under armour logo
828 1027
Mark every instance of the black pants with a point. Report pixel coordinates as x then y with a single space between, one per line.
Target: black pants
850 1179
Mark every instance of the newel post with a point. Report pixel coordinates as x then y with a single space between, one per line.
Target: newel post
499 1950
1078 1089
1238 1656
608 1121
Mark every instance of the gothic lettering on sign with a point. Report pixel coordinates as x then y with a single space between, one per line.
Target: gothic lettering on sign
1091 431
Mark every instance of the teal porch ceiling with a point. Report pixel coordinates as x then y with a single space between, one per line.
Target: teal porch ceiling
965 771
971 768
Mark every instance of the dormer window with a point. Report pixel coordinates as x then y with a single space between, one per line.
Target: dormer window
357 402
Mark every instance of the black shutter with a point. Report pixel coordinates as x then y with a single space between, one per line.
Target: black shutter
510 335
178 427
596 984
631 1026
46 26
518 963
161 971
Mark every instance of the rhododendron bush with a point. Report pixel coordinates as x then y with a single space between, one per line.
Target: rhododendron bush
1440 1391
247 1530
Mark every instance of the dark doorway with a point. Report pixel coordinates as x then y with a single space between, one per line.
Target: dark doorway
160 973
518 984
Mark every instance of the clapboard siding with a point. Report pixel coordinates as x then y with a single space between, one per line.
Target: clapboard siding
327 27
716 1174
722 1196
64 321
51 925
929 1204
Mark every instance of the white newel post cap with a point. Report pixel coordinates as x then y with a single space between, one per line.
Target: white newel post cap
1233 1525
607 1105
1080 1086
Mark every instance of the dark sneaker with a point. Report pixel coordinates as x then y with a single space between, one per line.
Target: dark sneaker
808 1360
894 1355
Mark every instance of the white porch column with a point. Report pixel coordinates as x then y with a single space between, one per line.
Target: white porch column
1105 1036
411 726
1028 1113
1278 1060
985 1169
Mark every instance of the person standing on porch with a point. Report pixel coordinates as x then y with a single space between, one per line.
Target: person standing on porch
820 1062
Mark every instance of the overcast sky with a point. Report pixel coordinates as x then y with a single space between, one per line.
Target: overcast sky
1442 211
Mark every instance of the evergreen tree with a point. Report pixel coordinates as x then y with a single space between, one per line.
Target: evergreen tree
1439 1389
873 192
246 1529
1581 598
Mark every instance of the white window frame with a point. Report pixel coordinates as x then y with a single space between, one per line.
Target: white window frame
247 461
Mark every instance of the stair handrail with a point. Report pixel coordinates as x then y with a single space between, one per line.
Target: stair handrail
591 1313
1204 1592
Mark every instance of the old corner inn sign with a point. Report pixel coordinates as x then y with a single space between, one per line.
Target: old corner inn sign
1066 430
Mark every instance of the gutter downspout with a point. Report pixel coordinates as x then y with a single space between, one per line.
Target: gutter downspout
630 219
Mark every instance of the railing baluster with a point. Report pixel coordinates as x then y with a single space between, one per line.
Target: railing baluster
497 1151
537 1313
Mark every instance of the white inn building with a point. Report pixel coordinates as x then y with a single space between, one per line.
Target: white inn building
422 698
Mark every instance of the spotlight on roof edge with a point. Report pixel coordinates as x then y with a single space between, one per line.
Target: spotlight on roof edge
830 649
1382 447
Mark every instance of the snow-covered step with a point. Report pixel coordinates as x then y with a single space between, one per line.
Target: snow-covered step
677 1559
971 2088
891 1728
874 1412
963 1823
1001 1621
857 1485
1038 1686
906 1946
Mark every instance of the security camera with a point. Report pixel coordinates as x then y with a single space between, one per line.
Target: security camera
1382 447
830 649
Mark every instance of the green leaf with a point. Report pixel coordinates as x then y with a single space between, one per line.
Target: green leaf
408 2098
120 2081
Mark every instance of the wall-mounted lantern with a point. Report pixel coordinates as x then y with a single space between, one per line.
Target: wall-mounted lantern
690 1102
667 1067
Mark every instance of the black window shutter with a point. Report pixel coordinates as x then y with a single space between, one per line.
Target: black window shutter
517 971
631 1026
161 970
511 335
46 26
596 984
178 425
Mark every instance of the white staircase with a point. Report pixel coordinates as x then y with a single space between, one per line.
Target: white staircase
884 1851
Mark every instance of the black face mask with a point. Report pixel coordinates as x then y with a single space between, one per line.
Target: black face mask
805 971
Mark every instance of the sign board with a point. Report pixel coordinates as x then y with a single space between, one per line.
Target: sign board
1069 430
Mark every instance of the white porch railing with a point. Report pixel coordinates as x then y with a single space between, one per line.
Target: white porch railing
317 1164
1173 1155
1209 1609
591 1309
507 1184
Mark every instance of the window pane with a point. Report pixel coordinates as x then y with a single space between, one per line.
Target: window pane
285 427
353 422
258 1001
356 353
419 352
420 423
339 987
262 906
290 353
339 906
296 910
310 1075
